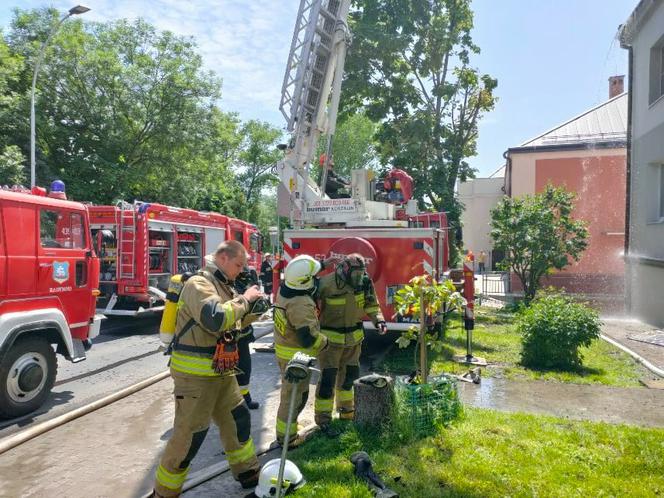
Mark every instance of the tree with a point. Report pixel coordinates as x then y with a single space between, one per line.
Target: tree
257 157
127 112
538 235
409 68
354 146
12 166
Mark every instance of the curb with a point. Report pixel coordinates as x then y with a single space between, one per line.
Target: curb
639 359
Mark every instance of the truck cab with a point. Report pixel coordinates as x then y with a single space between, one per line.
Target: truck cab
49 277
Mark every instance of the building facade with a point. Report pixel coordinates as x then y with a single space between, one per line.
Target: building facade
643 36
479 196
586 155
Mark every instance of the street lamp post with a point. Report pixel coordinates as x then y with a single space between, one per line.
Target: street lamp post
79 9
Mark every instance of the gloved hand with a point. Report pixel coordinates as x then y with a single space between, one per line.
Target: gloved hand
298 367
226 357
324 342
382 328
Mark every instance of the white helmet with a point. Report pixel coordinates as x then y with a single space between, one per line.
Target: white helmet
300 272
267 479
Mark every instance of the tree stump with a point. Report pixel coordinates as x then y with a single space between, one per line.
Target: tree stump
373 403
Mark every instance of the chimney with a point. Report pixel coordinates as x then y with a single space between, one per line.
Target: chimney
616 86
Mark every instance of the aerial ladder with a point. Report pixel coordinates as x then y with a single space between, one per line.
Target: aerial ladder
309 102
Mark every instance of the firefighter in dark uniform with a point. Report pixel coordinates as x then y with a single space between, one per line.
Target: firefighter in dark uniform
202 365
296 329
346 297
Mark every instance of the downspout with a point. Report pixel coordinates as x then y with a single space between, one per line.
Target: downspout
628 180
507 187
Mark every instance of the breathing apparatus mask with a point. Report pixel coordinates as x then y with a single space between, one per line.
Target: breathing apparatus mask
248 278
353 271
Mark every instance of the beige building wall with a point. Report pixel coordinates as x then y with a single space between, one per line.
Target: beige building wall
524 170
479 196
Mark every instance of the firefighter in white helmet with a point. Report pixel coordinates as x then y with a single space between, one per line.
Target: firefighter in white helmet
296 329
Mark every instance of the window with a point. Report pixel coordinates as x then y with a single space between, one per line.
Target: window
60 229
656 71
661 192
237 235
435 224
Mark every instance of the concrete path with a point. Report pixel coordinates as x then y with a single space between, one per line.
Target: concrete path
622 330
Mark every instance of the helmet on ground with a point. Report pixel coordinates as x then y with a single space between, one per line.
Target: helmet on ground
267 479
300 272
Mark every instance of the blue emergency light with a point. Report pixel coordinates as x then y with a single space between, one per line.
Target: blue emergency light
58 186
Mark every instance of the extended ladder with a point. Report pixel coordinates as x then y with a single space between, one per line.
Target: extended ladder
127 241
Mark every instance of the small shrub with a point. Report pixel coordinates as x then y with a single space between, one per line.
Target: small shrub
553 329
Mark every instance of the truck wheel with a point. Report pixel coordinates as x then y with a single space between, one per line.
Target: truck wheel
27 375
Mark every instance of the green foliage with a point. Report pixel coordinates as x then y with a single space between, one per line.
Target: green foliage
538 234
354 146
409 68
553 329
490 454
257 158
12 166
437 298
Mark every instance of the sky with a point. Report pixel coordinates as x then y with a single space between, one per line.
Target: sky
552 58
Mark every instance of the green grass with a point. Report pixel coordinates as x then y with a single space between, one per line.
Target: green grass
493 454
495 338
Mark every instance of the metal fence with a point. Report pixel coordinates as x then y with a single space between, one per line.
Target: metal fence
496 283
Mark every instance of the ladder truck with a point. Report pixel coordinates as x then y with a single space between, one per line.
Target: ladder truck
397 241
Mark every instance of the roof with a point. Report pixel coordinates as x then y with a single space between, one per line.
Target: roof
634 22
603 125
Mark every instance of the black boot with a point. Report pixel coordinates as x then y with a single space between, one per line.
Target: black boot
251 404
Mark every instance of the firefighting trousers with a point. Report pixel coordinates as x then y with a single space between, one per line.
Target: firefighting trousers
340 366
301 398
197 401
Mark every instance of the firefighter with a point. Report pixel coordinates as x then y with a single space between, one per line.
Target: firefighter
246 279
346 296
202 365
296 329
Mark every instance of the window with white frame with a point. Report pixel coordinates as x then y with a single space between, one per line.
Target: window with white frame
661 192
656 71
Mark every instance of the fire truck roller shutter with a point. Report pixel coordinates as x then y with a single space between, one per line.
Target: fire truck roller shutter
361 246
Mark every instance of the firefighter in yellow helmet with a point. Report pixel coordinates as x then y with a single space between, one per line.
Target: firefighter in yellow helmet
296 329
346 296
203 360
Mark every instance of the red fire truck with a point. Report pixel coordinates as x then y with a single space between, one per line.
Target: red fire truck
141 245
49 276
377 219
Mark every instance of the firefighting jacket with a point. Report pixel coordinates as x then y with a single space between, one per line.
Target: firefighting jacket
208 307
342 309
296 324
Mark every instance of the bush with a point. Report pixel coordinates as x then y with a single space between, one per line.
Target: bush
553 329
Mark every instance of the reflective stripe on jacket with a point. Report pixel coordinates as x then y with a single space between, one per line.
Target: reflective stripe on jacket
343 309
296 325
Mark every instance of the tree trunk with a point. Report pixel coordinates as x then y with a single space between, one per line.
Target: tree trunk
373 405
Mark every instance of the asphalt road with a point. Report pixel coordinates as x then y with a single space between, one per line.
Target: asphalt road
124 353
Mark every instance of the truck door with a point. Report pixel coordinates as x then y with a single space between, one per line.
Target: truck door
63 255
3 258
20 244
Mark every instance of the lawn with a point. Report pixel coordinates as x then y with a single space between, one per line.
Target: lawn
489 453
495 338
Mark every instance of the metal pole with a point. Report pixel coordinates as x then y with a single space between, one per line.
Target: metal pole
423 342
40 57
284 450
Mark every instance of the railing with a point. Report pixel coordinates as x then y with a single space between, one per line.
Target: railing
496 283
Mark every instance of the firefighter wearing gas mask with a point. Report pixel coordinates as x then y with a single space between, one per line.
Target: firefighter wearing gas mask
246 279
203 364
296 328
346 297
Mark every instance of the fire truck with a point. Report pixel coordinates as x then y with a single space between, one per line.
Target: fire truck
49 276
397 240
141 245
